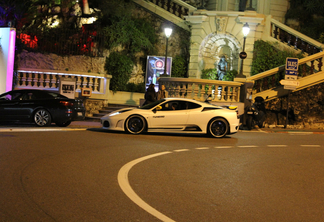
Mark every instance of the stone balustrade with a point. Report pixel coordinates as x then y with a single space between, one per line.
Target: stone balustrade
175 7
267 84
294 39
200 89
50 79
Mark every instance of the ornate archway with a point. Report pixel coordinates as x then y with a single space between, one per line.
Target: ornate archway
214 47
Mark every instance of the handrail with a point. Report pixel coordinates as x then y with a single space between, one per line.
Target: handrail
176 7
269 80
291 37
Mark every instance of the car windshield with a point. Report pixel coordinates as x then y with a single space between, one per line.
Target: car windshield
151 105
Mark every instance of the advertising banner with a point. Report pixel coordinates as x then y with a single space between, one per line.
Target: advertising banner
155 70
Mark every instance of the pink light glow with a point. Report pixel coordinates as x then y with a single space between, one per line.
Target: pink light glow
11 59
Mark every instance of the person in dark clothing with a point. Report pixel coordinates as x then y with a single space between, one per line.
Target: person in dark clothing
150 95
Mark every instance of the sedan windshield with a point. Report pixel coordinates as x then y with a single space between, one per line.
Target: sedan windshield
151 105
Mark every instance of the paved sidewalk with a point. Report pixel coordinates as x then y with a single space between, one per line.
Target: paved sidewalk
86 124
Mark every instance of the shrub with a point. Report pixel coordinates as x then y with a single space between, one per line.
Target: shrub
209 74
267 57
230 75
179 67
120 66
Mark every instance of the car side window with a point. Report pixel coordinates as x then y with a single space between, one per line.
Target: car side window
28 96
191 105
174 105
13 96
166 106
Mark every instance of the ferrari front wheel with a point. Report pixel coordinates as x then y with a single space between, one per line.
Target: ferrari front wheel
135 124
218 127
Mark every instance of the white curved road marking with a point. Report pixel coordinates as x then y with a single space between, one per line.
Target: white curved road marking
181 150
248 146
202 148
223 147
310 145
127 189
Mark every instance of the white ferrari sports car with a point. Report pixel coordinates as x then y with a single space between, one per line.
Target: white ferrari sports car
174 115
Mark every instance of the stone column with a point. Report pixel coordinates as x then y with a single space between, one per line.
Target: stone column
197 35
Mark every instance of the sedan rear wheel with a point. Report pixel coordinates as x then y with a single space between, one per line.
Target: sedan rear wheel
135 124
42 117
218 127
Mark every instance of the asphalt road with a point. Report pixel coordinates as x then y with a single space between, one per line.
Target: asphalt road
94 175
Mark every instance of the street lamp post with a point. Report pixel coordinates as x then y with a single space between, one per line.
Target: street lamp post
246 30
167 32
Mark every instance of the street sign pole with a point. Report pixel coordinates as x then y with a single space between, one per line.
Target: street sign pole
287 110
290 82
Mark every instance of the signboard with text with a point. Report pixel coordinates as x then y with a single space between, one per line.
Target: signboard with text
291 69
155 70
67 87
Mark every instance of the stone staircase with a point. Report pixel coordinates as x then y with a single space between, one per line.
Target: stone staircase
106 110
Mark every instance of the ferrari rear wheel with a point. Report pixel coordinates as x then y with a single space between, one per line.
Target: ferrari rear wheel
135 124
218 127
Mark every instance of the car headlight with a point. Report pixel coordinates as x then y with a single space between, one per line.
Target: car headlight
114 114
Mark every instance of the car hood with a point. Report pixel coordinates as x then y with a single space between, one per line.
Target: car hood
123 110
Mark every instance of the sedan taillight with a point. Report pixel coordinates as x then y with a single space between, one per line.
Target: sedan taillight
66 103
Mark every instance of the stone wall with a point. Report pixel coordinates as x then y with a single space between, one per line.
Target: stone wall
93 106
306 109
55 62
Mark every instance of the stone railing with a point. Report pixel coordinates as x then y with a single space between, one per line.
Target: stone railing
50 79
294 39
200 89
267 84
175 7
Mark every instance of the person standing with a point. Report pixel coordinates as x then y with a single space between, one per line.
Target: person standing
162 93
150 95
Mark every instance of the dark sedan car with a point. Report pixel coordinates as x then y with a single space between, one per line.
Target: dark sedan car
39 106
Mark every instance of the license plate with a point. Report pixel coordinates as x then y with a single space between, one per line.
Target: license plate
249 112
80 114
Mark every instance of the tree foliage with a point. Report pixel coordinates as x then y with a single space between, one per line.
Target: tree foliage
133 34
179 67
310 15
120 66
16 11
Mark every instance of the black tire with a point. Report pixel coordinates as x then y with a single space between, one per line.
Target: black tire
135 124
42 117
63 124
218 127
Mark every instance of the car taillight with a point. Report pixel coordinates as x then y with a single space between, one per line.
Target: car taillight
66 103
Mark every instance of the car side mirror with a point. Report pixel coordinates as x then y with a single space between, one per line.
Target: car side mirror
158 108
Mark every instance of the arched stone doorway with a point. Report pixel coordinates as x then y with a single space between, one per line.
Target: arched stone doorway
214 34
214 47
